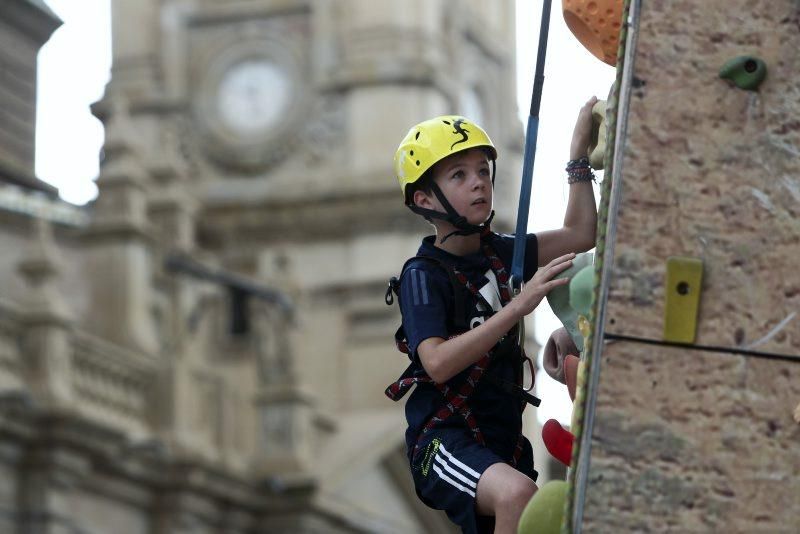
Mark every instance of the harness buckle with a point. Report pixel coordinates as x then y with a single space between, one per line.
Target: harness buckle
394 286
513 389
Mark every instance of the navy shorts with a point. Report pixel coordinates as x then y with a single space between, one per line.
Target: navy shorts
446 473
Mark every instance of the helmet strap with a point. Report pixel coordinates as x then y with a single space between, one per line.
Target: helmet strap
473 229
463 227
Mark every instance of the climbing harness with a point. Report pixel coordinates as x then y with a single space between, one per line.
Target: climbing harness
456 396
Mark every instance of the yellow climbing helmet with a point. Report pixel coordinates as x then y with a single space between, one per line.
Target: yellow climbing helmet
433 140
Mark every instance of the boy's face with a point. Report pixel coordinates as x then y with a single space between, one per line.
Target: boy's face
465 178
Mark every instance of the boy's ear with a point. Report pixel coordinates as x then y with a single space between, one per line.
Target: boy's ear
422 200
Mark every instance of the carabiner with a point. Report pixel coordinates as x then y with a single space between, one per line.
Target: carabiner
533 375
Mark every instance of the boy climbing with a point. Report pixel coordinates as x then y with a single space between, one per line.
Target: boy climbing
464 437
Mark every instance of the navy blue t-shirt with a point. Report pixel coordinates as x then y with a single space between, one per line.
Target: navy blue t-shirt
428 308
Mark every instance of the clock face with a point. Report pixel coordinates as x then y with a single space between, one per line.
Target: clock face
252 96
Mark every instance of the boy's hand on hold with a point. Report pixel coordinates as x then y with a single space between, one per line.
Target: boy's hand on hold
582 134
542 282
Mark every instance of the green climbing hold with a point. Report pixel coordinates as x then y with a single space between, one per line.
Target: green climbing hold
581 290
545 510
559 298
746 72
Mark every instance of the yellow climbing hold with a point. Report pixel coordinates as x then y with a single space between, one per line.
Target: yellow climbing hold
584 327
597 146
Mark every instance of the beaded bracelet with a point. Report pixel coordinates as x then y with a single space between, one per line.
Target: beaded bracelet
579 170
580 162
584 177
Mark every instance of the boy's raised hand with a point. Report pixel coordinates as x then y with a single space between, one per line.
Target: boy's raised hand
582 134
542 282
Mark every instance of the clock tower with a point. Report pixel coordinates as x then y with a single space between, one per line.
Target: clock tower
253 140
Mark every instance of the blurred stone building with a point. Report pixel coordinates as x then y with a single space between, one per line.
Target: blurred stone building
205 347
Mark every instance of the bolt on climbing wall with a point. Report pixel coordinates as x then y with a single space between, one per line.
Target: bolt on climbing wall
695 427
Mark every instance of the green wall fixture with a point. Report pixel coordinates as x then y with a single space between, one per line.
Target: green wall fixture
746 72
581 291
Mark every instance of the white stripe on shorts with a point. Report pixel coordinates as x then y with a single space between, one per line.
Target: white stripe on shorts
452 482
469 482
452 468
466 468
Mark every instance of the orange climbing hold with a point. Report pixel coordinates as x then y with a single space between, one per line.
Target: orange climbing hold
596 24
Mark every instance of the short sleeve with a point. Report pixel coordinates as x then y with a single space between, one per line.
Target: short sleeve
423 305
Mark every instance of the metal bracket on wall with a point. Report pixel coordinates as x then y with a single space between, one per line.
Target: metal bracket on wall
240 289
682 294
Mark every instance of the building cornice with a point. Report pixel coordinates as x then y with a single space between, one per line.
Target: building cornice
32 17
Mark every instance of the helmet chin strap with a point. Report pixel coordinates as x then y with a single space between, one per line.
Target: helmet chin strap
463 227
472 229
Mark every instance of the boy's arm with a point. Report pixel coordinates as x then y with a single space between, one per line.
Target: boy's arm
443 359
580 220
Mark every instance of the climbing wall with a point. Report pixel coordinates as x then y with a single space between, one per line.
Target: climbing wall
700 436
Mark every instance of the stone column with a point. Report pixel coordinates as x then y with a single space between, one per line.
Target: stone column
285 409
46 323
135 53
119 244
172 204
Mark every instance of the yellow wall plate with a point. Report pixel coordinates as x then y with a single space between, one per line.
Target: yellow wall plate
684 283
